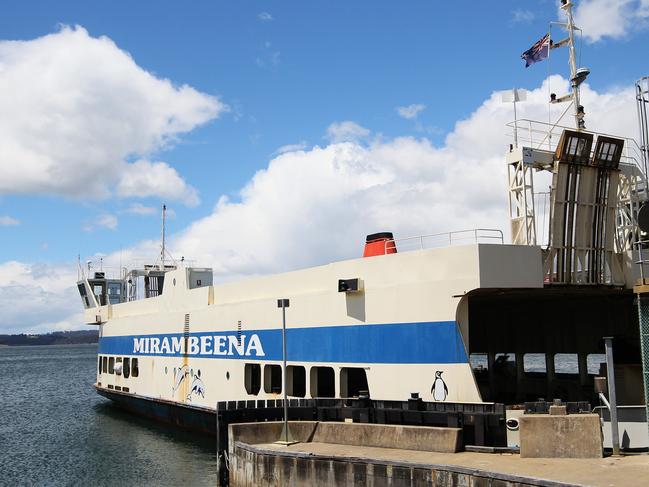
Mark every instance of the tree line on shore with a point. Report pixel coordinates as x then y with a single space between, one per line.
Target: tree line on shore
53 338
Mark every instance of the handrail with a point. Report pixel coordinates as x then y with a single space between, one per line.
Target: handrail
474 235
527 129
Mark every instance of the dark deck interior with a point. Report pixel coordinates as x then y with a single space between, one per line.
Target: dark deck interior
554 320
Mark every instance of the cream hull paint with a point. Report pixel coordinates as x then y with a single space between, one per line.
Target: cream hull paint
399 289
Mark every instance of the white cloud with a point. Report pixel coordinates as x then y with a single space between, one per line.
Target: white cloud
140 209
144 178
264 17
269 57
78 108
6 220
291 147
610 18
102 221
346 131
522 16
38 298
411 111
313 206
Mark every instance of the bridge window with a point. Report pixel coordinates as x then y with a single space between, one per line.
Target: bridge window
323 382
273 379
135 371
252 378
126 368
352 381
114 292
296 381
111 365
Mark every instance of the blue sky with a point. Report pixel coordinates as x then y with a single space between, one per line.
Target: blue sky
282 74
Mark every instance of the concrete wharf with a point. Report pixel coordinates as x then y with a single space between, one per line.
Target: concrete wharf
347 454
372 466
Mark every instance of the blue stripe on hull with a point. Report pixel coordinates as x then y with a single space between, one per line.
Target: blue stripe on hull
406 343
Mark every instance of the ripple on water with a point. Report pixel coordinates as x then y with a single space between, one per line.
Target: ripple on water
55 430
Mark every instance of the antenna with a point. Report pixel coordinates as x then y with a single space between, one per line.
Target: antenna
162 253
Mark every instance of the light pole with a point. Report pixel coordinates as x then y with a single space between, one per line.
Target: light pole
285 438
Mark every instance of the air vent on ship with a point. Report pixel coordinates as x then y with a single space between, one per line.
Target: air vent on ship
379 244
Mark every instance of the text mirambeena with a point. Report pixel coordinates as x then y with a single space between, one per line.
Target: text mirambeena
228 345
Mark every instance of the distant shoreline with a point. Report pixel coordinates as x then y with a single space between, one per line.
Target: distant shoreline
53 338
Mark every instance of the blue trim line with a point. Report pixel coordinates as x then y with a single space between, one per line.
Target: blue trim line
400 343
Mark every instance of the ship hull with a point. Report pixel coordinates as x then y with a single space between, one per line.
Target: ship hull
192 418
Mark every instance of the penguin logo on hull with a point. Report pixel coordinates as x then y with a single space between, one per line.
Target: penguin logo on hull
439 389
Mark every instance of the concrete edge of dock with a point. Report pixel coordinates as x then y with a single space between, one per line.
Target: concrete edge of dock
252 465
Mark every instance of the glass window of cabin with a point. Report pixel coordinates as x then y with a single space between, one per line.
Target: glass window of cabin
99 363
118 365
135 371
323 382
353 382
273 379
296 380
534 362
595 362
479 361
126 368
114 292
505 363
252 378
566 363
111 365
104 364
84 295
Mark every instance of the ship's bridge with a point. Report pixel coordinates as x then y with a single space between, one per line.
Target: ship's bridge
109 287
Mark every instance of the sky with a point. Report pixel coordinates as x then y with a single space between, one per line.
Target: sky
278 134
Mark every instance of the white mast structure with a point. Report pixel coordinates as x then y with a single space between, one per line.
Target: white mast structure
577 75
162 251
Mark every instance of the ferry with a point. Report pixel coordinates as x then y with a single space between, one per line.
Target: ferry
451 317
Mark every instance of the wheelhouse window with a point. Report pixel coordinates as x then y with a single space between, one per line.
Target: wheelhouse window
115 292
84 295
296 380
323 382
252 378
273 379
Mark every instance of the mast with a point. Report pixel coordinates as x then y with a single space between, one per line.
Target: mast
162 251
576 76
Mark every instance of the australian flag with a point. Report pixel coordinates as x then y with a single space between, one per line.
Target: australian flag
538 52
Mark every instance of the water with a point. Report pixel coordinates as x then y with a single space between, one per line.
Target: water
564 363
56 430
